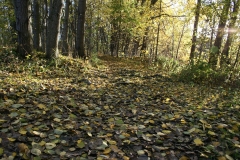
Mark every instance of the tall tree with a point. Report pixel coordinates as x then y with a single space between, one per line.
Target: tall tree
65 29
36 25
80 29
215 50
22 26
53 28
231 32
195 29
44 15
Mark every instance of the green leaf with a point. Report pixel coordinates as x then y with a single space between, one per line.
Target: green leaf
36 151
13 114
80 144
1 151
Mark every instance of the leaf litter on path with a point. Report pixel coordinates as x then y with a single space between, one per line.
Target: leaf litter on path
121 114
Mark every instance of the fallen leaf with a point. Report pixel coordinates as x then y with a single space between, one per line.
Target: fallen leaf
80 144
198 142
107 151
36 151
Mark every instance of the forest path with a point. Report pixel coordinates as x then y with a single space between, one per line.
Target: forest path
118 111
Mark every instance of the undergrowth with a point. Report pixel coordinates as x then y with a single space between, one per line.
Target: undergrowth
202 73
169 65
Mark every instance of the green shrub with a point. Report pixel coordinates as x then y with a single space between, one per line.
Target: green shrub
95 61
201 72
169 64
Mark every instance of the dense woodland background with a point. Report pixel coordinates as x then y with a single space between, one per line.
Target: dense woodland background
202 31
119 79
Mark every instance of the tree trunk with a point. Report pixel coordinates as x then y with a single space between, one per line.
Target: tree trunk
180 40
36 25
195 28
113 38
72 29
80 29
232 29
44 14
89 38
212 31
53 29
104 41
144 42
173 40
65 29
215 50
22 26
156 49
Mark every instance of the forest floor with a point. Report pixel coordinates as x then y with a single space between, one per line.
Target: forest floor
117 110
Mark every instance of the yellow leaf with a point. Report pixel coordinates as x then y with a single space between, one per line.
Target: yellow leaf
22 131
211 133
184 158
112 142
41 106
106 151
114 148
177 116
166 131
183 121
198 142
167 100
125 158
164 126
203 121
21 101
208 126
191 130
235 128
57 120
151 121
11 139
221 125
222 158
137 100
42 143
106 107
109 134
23 148
216 144
126 134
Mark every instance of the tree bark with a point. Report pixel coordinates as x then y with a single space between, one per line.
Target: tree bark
80 29
156 49
36 25
22 26
180 40
231 32
44 14
144 42
195 28
65 29
214 53
53 29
